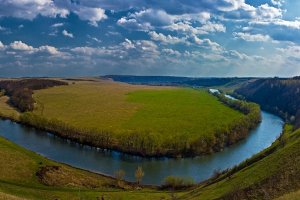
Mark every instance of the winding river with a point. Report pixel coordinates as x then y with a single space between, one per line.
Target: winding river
107 162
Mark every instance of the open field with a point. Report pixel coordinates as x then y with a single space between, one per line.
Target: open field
158 120
121 107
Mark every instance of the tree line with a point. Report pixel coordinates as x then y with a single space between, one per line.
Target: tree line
20 91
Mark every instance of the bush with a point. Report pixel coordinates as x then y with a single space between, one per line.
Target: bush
175 182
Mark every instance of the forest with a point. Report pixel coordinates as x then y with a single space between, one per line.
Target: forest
20 91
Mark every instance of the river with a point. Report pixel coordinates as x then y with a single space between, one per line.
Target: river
107 162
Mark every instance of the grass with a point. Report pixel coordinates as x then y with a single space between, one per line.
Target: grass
185 112
165 112
290 196
6 110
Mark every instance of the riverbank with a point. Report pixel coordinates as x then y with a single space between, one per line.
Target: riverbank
59 180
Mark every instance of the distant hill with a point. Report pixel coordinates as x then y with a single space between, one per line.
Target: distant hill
175 81
278 95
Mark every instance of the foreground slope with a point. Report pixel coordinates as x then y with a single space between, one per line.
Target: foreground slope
270 174
30 176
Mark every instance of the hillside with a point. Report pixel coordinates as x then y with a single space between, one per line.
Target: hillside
278 95
267 175
177 81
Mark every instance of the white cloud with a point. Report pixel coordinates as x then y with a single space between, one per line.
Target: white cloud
252 37
57 25
134 24
187 28
19 45
29 9
279 22
128 44
265 11
171 52
93 15
168 39
2 28
49 49
207 43
67 34
232 5
277 2
1 45
290 51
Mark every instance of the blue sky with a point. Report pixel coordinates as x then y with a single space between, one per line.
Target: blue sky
150 37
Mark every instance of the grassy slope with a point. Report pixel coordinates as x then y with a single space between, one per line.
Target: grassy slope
270 177
121 107
18 169
290 196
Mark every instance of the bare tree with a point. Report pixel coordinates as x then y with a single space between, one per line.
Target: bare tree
139 174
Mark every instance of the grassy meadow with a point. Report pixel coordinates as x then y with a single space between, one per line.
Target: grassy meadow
120 107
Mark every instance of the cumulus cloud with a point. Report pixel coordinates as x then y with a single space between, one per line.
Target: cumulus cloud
67 34
93 15
251 37
29 9
171 52
23 47
277 2
19 45
168 39
128 44
134 24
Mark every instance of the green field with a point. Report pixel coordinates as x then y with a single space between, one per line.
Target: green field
122 107
165 117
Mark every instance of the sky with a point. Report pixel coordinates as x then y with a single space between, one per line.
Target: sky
203 38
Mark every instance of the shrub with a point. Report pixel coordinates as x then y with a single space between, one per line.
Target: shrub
175 182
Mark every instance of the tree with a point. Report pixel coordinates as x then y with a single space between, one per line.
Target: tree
120 174
139 173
